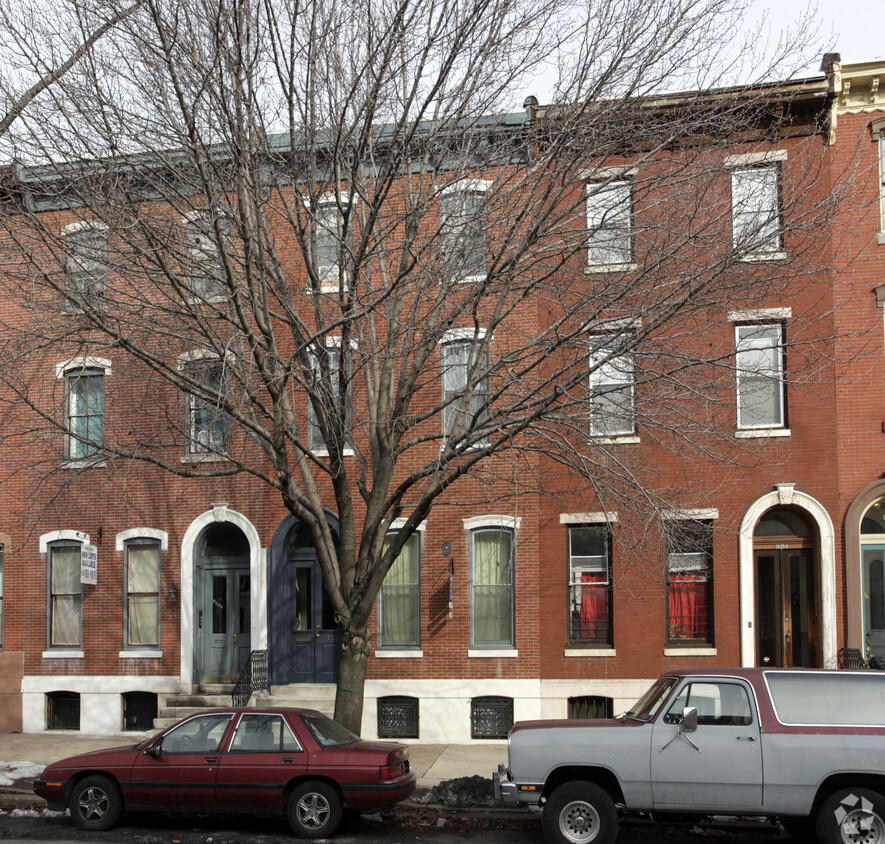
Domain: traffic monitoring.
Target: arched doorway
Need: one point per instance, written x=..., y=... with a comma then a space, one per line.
x=787, y=587
x=304, y=641
x=222, y=603
x=872, y=542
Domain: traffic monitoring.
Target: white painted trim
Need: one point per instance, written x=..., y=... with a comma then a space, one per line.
x=133, y=654
x=85, y=225
x=827, y=553
x=761, y=315
x=392, y=654
x=589, y=652
x=399, y=524
x=142, y=533
x=497, y=653
x=492, y=521
x=759, y=257
x=63, y=536
x=257, y=572
x=467, y=186
x=588, y=518
x=751, y=158
x=455, y=334
x=711, y=514
x=679, y=652
x=83, y=362
x=602, y=174
x=761, y=433
x=63, y=654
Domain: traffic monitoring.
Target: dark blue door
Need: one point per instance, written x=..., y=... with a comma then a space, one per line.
x=313, y=647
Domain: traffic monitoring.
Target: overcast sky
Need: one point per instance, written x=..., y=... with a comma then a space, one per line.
x=853, y=28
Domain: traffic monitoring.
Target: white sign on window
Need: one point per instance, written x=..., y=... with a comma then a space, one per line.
x=88, y=564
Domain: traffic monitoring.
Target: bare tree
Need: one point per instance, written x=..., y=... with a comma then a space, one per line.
x=327, y=227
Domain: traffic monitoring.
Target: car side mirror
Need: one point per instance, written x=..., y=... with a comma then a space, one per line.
x=155, y=750
x=689, y=719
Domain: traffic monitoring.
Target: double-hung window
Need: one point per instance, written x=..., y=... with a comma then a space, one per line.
x=324, y=409
x=609, y=223
x=757, y=229
x=464, y=219
x=86, y=246
x=65, y=596
x=205, y=271
x=689, y=580
x=329, y=234
x=465, y=364
x=491, y=587
x=206, y=421
x=84, y=412
x=399, y=617
x=759, y=365
x=612, y=385
x=142, y=593
x=589, y=585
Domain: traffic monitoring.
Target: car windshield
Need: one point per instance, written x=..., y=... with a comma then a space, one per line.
x=328, y=733
x=650, y=702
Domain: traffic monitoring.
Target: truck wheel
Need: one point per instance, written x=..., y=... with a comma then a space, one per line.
x=852, y=816
x=578, y=813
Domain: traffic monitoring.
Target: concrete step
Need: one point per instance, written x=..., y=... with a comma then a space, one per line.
x=320, y=696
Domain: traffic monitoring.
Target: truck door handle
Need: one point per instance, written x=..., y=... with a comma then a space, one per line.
x=746, y=738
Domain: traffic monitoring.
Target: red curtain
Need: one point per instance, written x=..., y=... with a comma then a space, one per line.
x=688, y=606
x=594, y=606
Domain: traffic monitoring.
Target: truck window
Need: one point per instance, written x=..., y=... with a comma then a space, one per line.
x=839, y=698
x=651, y=701
x=722, y=704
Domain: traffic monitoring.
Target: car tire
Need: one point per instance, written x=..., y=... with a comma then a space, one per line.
x=852, y=816
x=96, y=803
x=315, y=810
x=579, y=813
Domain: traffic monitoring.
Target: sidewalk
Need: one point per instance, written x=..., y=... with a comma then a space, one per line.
x=432, y=763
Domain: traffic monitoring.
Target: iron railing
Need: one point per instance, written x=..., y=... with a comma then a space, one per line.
x=252, y=679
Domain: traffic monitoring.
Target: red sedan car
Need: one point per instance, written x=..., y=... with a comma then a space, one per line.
x=296, y=762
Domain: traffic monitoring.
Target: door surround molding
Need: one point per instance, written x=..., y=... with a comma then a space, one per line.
x=782, y=495
x=219, y=513
x=854, y=627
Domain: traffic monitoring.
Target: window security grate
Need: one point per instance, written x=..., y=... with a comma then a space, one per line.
x=62, y=711
x=398, y=717
x=491, y=717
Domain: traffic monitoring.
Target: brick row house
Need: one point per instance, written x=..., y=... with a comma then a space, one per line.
x=534, y=591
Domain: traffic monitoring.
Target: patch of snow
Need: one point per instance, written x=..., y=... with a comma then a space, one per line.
x=11, y=772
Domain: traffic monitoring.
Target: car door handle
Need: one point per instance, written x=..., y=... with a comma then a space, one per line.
x=746, y=738
x=211, y=759
x=288, y=760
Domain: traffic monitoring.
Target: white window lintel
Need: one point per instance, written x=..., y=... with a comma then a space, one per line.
x=749, y=159
x=761, y=315
x=467, y=186
x=601, y=518
x=62, y=536
x=84, y=362
x=475, y=522
x=691, y=514
x=143, y=533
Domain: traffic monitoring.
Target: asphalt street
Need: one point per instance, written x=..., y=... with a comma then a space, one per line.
x=431, y=824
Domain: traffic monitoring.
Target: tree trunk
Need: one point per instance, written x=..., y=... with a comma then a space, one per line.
x=352, y=679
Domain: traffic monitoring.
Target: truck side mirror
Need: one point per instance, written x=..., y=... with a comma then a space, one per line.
x=689, y=719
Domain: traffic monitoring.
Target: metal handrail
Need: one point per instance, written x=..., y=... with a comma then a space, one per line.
x=253, y=678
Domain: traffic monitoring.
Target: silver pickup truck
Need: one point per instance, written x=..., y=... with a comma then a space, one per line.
x=801, y=747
